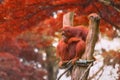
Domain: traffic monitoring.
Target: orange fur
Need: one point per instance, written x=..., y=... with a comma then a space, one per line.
x=78, y=31
x=72, y=46
x=72, y=50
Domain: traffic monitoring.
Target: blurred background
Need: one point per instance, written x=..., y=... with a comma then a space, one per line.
x=29, y=33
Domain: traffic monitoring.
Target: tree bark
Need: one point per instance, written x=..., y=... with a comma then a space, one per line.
x=68, y=19
x=50, y=66
x=79, y=72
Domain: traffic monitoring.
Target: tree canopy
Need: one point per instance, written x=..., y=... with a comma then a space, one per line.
x=29, y=24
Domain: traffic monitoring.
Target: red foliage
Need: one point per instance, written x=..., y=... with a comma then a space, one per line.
x=81, y=20
x=108, y=56
x=8, y=44
x=28, y=53
x=36, y=16
x=12, y=69
x=23, y=15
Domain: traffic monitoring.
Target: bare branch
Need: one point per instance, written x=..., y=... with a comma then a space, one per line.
x=86, y=71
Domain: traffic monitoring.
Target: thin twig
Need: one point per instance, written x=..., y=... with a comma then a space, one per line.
x=81, y=78
x=70, y=66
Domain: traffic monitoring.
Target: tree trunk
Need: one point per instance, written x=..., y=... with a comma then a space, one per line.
x=81, y=72
x=68, y=19
x=50, y=66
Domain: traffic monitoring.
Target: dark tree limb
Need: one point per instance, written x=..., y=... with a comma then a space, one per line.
x=108, y=21
x=110, y=3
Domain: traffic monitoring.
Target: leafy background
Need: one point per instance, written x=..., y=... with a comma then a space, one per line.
x=29, y=32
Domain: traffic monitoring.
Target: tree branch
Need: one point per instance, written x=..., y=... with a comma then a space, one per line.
x=92, y=37
x=108, y=21
x=110, y=3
